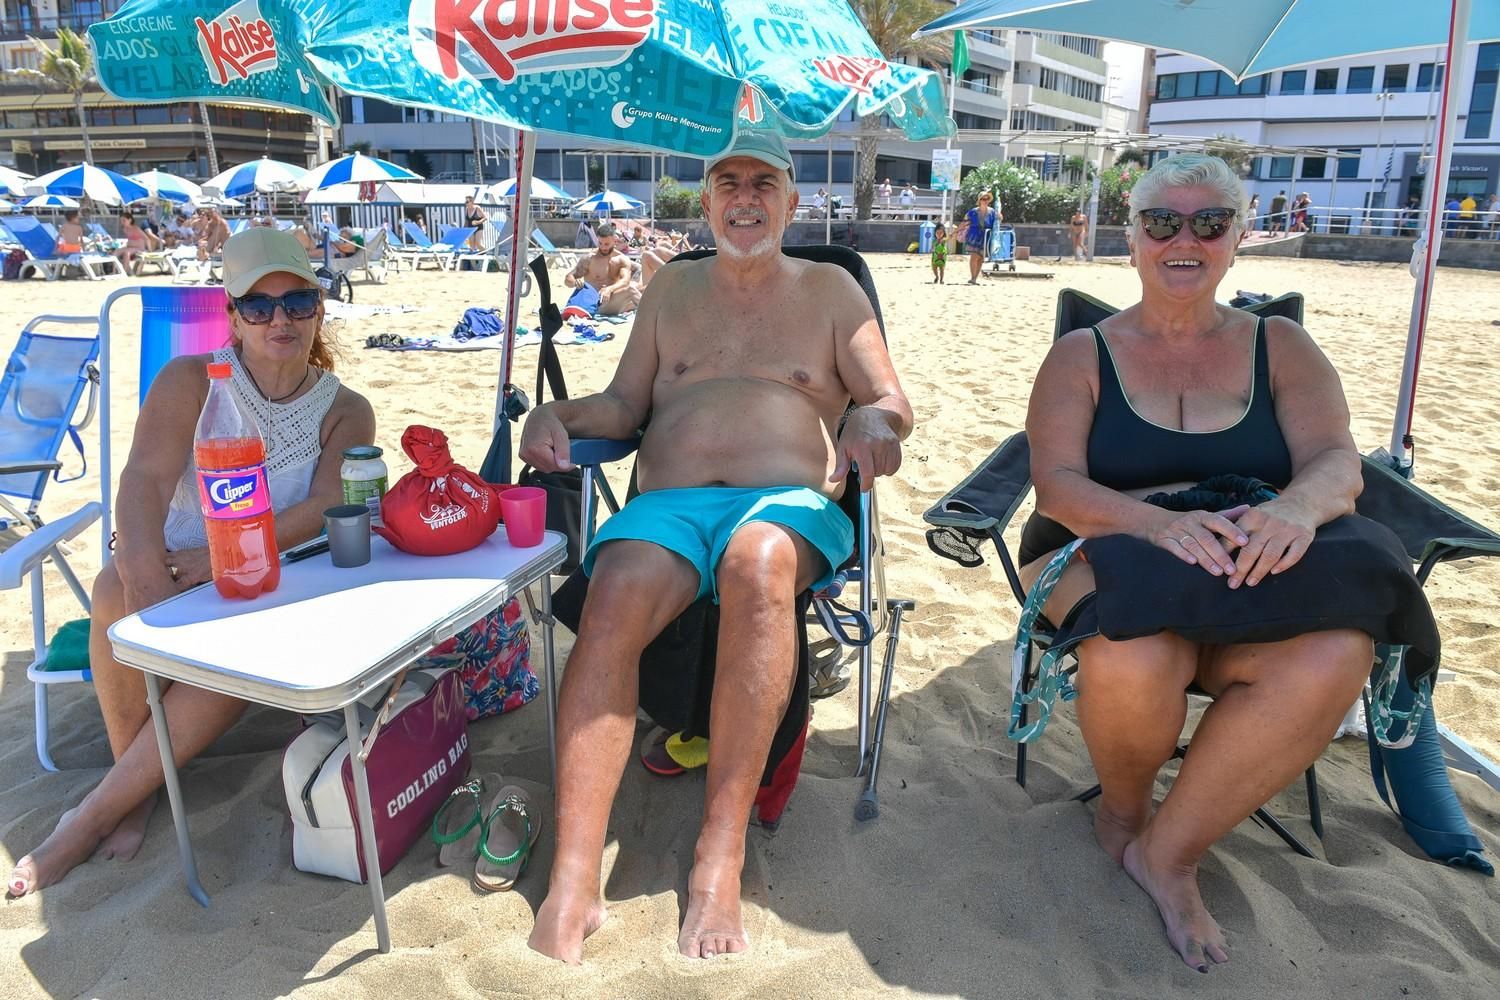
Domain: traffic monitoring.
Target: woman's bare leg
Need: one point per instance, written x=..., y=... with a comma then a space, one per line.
x=1276, y=707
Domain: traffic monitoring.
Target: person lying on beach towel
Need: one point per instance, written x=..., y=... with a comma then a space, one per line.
x=610, y=271
x=719, y=345
x=1157, y=399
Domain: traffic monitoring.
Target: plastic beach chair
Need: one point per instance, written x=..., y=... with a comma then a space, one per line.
x=175, y=320
x=567, y=258
x=982, y=506
x=677, y=668
x=39, y=241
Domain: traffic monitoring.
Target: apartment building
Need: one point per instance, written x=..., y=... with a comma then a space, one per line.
x=39, y=127
x=1375, y=115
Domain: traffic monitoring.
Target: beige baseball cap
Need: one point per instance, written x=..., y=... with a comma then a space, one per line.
x=253, y=253
x=767, y=147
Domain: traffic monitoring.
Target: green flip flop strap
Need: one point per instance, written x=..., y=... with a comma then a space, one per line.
x=472, y=787
x=516, y=805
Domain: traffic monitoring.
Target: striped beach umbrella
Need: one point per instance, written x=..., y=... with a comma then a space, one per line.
x=540, y=191
x=169, y=186
x=85, y=181
x=264, y=175
x=356, y=168
x=52, y=201
x=609, y=201
x=6, y=206
x=13, y=182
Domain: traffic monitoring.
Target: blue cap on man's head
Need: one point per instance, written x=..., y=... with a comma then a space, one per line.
x=758, y=144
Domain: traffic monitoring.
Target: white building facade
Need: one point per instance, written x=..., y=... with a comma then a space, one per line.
x=1376, y=114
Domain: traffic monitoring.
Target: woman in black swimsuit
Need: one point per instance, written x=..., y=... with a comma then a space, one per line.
x=475, y=218
x=1161, y=396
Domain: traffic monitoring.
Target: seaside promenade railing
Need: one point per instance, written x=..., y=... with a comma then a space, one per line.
x=1404, y=222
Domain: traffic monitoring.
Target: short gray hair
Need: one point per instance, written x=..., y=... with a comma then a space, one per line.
x=1189, y=170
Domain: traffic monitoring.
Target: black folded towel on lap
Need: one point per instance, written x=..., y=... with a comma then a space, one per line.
x=1356, y=574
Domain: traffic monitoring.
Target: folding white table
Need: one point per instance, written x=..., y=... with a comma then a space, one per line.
x=326, y=637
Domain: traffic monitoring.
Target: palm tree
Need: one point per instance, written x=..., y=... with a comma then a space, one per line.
x=891, y=24
x=208, y=135
x=70, y=67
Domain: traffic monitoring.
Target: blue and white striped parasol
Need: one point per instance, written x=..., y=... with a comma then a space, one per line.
x=609, y=201
x=264, y=175
x=540, y=191
x=354, y=169
x=13, y=182
x=85, y=181
x=169, y=186
x=53, y=201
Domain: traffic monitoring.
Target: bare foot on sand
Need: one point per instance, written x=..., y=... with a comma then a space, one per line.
x=69, y=846
x=1174, y=889
x=564, y=921
x=713, y=925
x=1114, y=830
x=126, y=838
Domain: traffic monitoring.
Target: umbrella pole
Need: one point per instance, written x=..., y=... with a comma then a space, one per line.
x=520, y=239
x=1424, y=259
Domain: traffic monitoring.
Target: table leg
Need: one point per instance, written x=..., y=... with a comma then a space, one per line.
x=550, y=666
x=367, y=828
x=174, y=790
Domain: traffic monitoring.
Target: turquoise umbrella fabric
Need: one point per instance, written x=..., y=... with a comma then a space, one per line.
x=674, y=75
x=1242, y=37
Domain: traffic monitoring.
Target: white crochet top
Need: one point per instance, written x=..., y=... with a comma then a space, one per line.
x=293, y=433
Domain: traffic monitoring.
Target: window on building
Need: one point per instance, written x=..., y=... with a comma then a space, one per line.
x=1429, y=77
x=1208, y=83
x=1281, y=167
x=1395, y=79
x=1294, y=81
x=1361, y=80
x=1166, y=87
x=1187, y=84
x=1348, y=164
x=1325, y=81
x=152, y=114
x=1482, y=101
x=1255, y=86
x=1314, y=168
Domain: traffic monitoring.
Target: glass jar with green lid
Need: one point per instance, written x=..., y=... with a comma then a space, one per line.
x=364, y=476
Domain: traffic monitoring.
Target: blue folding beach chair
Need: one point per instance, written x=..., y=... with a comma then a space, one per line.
x=39, y=241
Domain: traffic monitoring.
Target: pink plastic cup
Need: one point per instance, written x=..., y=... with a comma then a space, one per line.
x=524, y=510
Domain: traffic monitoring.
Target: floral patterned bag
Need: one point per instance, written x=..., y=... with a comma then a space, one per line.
x=493, y=658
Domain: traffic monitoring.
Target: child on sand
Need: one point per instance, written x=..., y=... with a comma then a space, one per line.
x=939, y=253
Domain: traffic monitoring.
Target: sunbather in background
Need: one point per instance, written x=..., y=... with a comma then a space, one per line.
x=745, y=362
x=282, y=374
x=1159, y=397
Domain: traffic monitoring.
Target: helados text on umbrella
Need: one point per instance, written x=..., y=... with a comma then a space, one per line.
x=505, y=34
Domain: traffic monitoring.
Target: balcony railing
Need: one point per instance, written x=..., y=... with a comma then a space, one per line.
x=23, y=23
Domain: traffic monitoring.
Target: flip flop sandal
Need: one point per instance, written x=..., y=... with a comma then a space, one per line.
x=668, y=755
x=510, y=832
x=459, y=823
x=828, y=671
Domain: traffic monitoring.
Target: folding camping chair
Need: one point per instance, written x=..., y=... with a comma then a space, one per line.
x=694, y=634
x=366, y=258
x=985, y=502
x=173, y=321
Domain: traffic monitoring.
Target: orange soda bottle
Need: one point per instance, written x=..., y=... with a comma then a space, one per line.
x=230, y=455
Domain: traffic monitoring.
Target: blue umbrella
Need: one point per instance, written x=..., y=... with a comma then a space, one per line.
x=264, y=175
x=355, y=168
x=609, y=201
x=1249, y=37
x=13, y=182
x=169, y=186
x=52, y=201
x=540, y=191
x=86, y=181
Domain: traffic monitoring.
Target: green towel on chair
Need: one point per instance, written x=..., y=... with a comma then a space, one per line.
x=69, y=649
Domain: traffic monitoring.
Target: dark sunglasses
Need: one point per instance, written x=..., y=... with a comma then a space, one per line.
x=1208, y=224
x=259, y=309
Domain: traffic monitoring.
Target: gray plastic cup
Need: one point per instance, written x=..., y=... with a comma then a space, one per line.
x=348, y=527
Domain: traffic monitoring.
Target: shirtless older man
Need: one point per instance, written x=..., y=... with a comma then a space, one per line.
x=610, y=271
x=745, y=361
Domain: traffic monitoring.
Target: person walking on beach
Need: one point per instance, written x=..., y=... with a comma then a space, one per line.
x=1252, y=213
x=749, y=337
x=1277, y=218
x=939, y=253
x=978, y=223
x=1078, y=230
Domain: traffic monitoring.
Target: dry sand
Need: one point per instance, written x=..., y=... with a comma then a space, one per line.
x=967, y=885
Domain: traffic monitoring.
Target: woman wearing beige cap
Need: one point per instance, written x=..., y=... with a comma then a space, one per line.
x=283, y=374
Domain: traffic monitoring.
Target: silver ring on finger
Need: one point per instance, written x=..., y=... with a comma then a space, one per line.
x=1185, y=539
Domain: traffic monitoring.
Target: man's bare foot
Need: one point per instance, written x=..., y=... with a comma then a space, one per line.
x=126, y=838
x=1114, y=831
x=69, y=846
x=713, y=925
x=1174, y=889
x=563, y=922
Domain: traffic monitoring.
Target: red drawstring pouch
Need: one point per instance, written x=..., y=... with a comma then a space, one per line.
x=439, y=507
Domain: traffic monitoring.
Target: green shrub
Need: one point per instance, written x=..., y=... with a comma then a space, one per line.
x=673, y=201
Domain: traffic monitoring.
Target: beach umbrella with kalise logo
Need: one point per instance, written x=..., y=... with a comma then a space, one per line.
x=678, y=76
